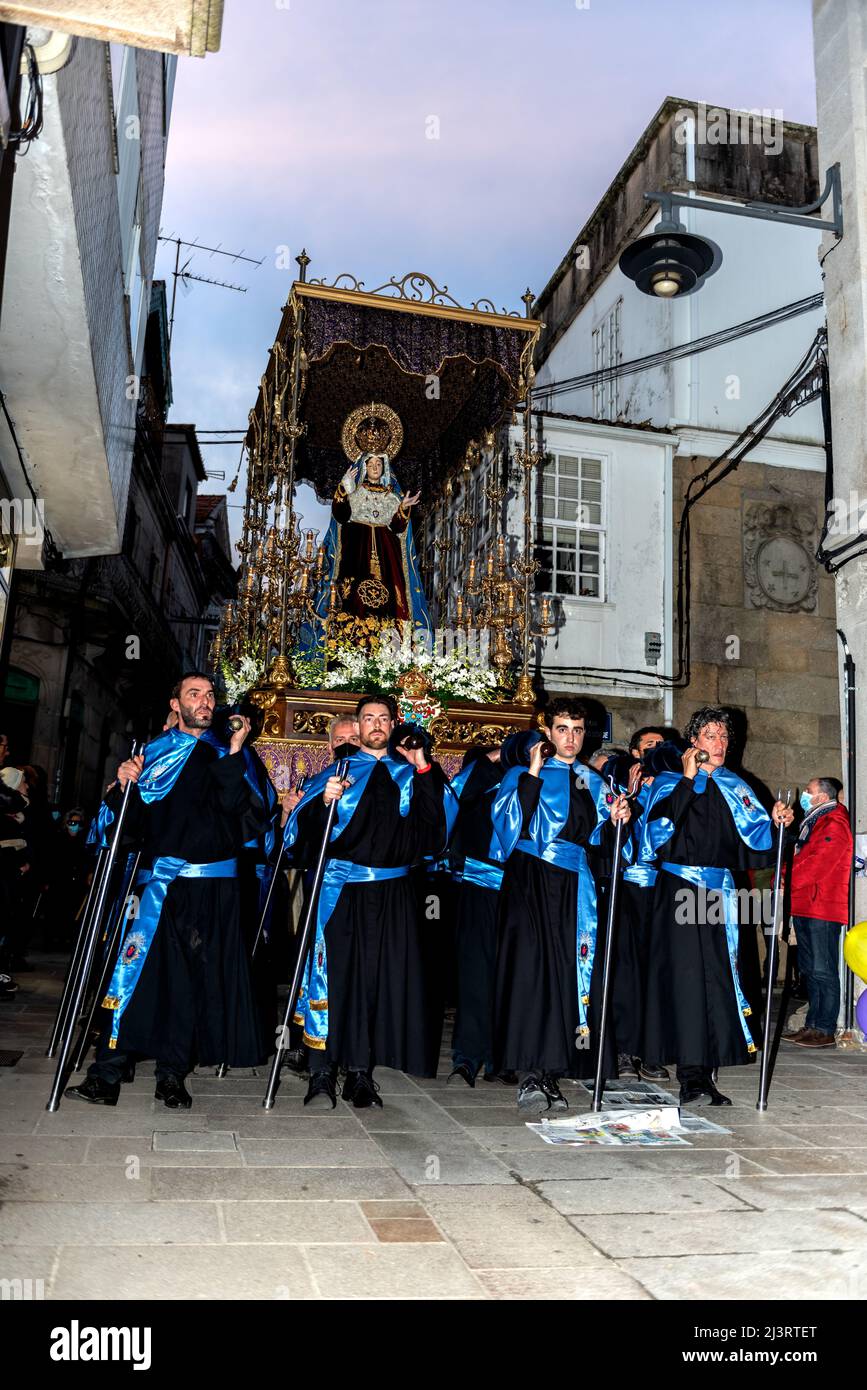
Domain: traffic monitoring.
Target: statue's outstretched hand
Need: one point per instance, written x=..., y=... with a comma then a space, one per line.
x=411, y=501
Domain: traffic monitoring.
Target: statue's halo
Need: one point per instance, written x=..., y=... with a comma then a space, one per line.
x=356, y=419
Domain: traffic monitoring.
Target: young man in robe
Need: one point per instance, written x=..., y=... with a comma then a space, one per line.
x=545, y=1012
x=478, y=861
x=631, y=957
x=181, y=989
x=364, y=1000
x=702, y=825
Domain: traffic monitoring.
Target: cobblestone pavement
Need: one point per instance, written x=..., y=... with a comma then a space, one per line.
x=442, y=1194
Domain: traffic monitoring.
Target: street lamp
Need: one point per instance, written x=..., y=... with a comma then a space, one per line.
x=671, y=262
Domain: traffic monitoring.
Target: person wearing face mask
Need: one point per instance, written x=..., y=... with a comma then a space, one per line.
x=820, y=906
x=68, y=879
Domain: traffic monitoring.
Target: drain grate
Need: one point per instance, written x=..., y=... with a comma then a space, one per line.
x=9, y=1059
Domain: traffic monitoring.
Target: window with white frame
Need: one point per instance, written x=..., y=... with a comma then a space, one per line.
x=570, y=535
x=607, y=352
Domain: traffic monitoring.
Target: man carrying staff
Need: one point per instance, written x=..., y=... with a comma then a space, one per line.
x=631, y=952
x=704, y=825
x=544, y=816
x=181, y=989
x=478, y=866
x=364, y=1000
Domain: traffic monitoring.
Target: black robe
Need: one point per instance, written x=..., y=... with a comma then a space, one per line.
x=627, y=982
x=691, y=1008
x=194, y=1002
x=476, y=921
x=536, y=990
x=380, y=1005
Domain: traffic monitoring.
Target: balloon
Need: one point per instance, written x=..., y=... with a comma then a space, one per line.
x=861, y=1013
x=855, y=950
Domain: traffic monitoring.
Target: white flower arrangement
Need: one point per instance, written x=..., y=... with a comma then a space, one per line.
x=240, y=677
x=459, y=673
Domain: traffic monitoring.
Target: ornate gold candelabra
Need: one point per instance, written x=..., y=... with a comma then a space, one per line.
x=496, y=592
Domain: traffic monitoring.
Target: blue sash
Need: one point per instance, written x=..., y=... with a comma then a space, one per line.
x=721, y=880
x=565, y=855
x=752, y=821
x=157, y=881
x=164, y=760
x=644, y=875
x=552, y=811
x=312, y=1007
x=361, y=766
x=482, y=874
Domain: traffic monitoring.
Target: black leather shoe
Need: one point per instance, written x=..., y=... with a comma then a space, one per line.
x=295, y=1059
x=322, y=1091
x=95, y=1090
x=704, y=1094
x=361, y=1090
x=462, y=1072
x=556, y=1098
x=173, y=1093
x=651, y=1071
x=626, y=1066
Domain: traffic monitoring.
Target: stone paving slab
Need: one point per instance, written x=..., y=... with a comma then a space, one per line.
x=832, y=1136
x=121, y=1121
x=319, y=1125
x=295, y=1222
x=42, y=1149
x=120, y=1151
x=492, y=1234
x=356, y=1152
x=811, y=1160
x=820, y=1275
x=800, y=1194
x=591, y=1197
x=194, y=1141
x=734, y=1232
x=128, y=1223
x=50, y=1182
x=441, y=1158
x=402, y=1114
x=275, y=1184
x=585, y=1284
x=145, y=1272
x=392, y=1271
x=538, y=1166
x=34, y=1262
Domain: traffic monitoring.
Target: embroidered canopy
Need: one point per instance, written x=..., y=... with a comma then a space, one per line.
x=450, y=374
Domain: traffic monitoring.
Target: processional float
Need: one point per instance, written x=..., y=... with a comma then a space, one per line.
x=406, y=373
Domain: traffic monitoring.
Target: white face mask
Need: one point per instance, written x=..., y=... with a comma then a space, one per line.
x=12, y=777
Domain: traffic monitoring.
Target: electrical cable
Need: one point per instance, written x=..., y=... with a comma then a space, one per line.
x=805, y=384
x=31, y=127
x=658, y=359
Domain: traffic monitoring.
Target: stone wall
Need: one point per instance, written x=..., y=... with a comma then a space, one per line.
x=776, y=662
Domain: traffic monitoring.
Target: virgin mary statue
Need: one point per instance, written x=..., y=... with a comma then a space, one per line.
x=372, y=577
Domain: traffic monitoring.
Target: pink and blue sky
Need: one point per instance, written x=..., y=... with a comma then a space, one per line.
x=310, y=128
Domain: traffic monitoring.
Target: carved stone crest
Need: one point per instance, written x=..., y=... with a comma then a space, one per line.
x=779, y=549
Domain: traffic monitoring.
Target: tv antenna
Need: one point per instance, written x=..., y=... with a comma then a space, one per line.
x=184, y=274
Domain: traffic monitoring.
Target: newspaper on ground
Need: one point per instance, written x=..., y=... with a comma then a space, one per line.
x=658, y=1122
x=612, y=1133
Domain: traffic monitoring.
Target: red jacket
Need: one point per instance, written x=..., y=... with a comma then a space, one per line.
x=820, y=869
